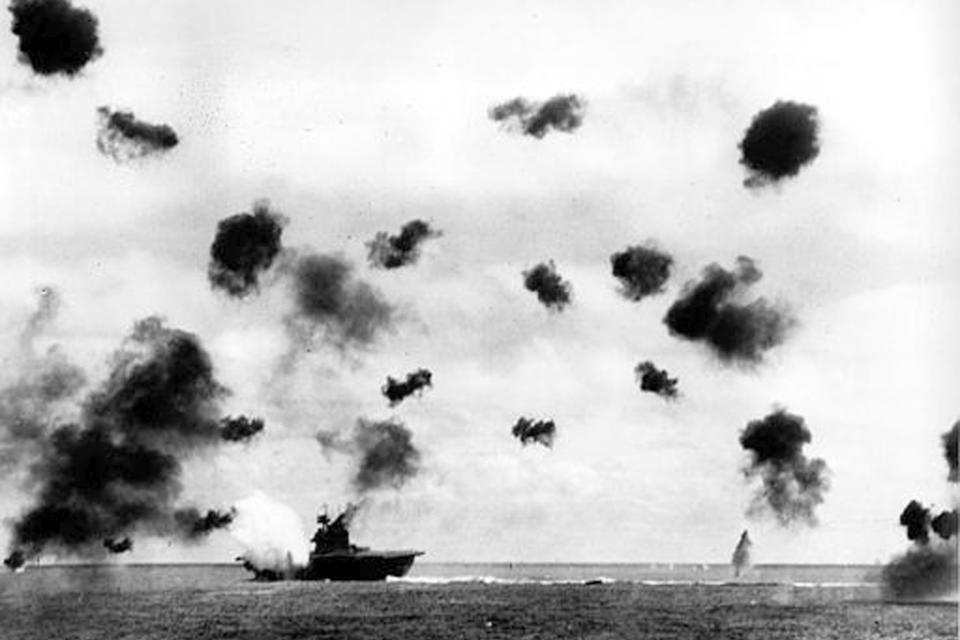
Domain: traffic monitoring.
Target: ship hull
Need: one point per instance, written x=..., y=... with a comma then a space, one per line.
x=362, y=566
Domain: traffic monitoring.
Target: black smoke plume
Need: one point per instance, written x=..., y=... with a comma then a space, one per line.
x=330, y=300
x=55, y=37
x=389, y=252
x=791, y=485
x=116, y=470
x=118, y=545
x=779, y=142
x=528, y=431
x=945, y=524
x=15, y=560
x=553, y=291
x=397, y=390
x=561, y=113
x=42, y=390
x=655, y=380
x=929, y=568
x=190, y=524
x=916, y=518
x=123, y=137
x=246, y=245
x=712, y=311
x=240, y=429
x=383, y=451
x=643, y=270
x=950, y=450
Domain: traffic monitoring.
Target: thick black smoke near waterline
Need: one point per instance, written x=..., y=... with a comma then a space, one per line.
x=552, y=290
x=713, y=311
x=382, y=450
x=331, y=301
x=397, y=390
x=924, y=571
x=791, y=484
x=643, y=270
x=123, y=137
x=390, y=252
x=116, y=470
x=779, y=142
x=950, y=450
x=561, y=113
x=246, y=245
x=529, y=431
x=55, y=37
x=655, y=380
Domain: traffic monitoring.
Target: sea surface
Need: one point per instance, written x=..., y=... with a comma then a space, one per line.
x=449, y=600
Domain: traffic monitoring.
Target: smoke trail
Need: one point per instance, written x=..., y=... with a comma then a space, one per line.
x=245, y=246
x=390, y=252
x=396, y=390
x=950, y=450
x=55, y=37
x=643, y=270
x=116, y=471
x=553, y=291
x=710, y=311
x=791, y=485
x=741, y=554
x=561, y=113
x=330, y=300
x=118, y=545
x=40, y=393
x=528, y=430
x=779, y=142
x=383, y=452
x=655, y=380
x=123, y=137
x=240, y=429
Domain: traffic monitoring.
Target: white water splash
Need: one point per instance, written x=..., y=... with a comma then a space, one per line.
x=268, y=531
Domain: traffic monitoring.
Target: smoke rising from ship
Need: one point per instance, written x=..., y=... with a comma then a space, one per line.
x=655, y=380
x=552, y=291
x=529, y=431
x=779, y=142
x=642, y=270
x=791, y=485
x=397, y=390
x=391, y=252
x=55, y=37
x=268, y=531
x=713, y=311
x=123, y=137
x=560, y=113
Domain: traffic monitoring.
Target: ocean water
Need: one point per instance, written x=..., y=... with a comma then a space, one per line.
x=450, y=600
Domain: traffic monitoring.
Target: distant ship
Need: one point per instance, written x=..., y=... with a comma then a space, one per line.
x=335, y=558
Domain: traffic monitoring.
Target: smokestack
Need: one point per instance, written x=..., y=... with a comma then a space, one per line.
x=390, y=252
x=779, y=142
x=123, y=137
x=712, y=311
x=791, y=485
x=560, y=113
x=741, y=554
x=396, y=390
x=528, y=430
x=553, y=291
x=55, y=37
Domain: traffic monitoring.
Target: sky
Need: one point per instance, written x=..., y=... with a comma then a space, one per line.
x=354, y=118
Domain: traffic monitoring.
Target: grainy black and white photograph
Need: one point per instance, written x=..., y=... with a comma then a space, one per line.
x=543, y=319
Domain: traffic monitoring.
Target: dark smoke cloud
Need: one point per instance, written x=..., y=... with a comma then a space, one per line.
x=190, y=524
x=383, y=451
x=55, y=37
x=561, y=113
x=240, y=429
x=779, y=142
x=397, y=390
x=792, y=485
x=945, y=524
x=643, y=270
x=553, y=291
x=528, y=431
x=245, y=246
x=655, y=380
x=950, y=450
x=123, y=137
x=712, y=311
x=330, y=299
x=922, y=572
x=390, y=252
x=118, y=545
x=916, y=518
x=116, y=471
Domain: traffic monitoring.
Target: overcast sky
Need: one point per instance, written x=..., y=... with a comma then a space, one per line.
x=353, y=118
